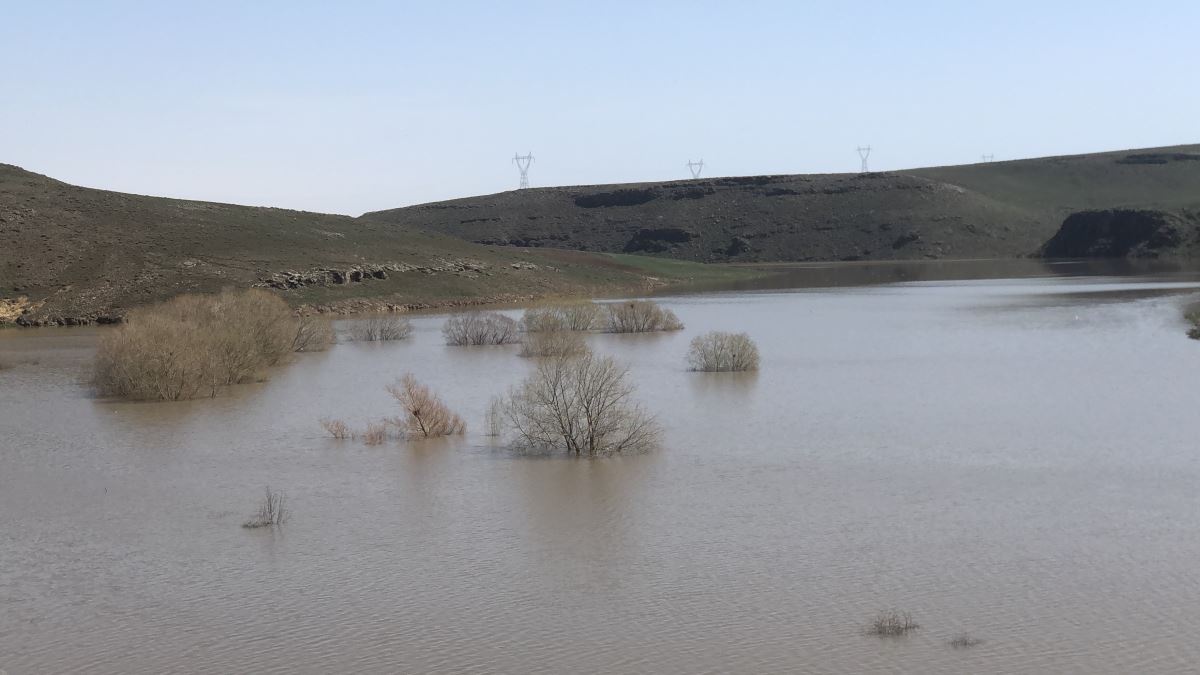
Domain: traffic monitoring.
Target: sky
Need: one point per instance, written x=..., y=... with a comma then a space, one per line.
x=351, y=106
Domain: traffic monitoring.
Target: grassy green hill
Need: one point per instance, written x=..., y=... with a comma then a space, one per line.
x=73, y=255
x=996, y=209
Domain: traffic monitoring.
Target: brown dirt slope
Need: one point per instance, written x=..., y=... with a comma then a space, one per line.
x=74, y=255
x=996, y=209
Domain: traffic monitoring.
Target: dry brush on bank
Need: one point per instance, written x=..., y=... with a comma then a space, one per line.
x=717, y=351
x=582, y=406
x=641, y=316
x=194, y=344
x=381, y=329
x=425, y=415
x=480, y=328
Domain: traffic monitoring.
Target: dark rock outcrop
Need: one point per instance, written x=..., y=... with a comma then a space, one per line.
x=1119, y=233
x=657, y=240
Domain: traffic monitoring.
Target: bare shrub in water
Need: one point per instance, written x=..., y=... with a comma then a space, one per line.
x=891, y=623
x=381, y=328
x=271, y=511
x=965, y=641
x=495, y=417
x=337, y=429
x=723, y=352
x=581, y=316
x=1194, y=331
x=641, y=316
x=480, y=328
x=193, y=344
x=581, y=405
x=375, y=433
x=553, y=343
x=425, y=414
x=313, y=334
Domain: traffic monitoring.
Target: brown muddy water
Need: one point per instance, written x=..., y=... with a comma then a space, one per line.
x=1017, y=459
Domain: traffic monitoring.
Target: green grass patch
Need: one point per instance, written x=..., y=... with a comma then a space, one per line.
x=685, y=270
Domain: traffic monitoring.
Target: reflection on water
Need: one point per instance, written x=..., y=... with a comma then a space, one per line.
x=1015, y=458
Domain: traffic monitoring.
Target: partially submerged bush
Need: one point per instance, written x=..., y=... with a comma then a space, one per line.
x=1194, y=331
x=480, y=328
x=271, y=511
x=313, y=334
x=641, y=316
x=581, y=405
x=375, y=433
x=381, y=328
x=425, y=414
x=891, y=623
x=337, y=429
x=581, y=316
x=723, y=352
x=193, y=344
x=495, y=417
x=965, y=641
x=553, y=343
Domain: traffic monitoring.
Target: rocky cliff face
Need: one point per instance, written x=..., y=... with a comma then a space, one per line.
x=1125, y=233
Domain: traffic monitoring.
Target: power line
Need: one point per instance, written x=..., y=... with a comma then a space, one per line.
x=695, y=167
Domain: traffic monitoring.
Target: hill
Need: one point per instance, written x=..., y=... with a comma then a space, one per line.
x=989, y=210
x=75, y=255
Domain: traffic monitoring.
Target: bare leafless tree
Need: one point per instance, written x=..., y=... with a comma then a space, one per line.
x=717, y=351
x=337, y=429
x=381, y=328
x=495, y=417
x=480, y=328
x=582, y=405
x=313, y=334
x=553, y=343
x=583, y=315
x=271, y=511
x=375, y=433
x=641, y=316
x=425, y=414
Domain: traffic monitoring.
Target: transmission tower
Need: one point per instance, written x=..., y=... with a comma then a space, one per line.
x=987, y=158
x=863, y=154
x=695, y=167
x=523, y=162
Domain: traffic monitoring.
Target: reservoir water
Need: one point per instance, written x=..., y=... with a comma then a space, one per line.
x=1013, y=458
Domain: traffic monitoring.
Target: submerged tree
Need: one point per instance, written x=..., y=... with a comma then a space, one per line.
x=717, y=351
x=580, y=404
x=426, y=416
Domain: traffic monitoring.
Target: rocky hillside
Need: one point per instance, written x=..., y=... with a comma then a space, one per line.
x=76, y=255
x=1125, y=233
x=997, y=209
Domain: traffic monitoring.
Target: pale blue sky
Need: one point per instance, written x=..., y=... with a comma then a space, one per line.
x=355, y=106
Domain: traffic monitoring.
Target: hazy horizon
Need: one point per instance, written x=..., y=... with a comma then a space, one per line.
x=347, y=110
